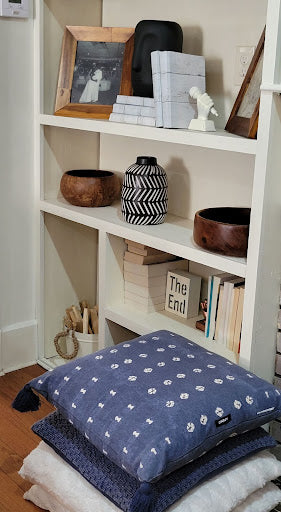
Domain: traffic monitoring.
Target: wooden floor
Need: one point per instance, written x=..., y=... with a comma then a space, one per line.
x=16, y=440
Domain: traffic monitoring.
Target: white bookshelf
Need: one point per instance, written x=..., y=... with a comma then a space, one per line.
x=207, y=169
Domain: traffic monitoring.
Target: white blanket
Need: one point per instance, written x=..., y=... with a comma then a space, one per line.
x=263, y=500
x=221, y=493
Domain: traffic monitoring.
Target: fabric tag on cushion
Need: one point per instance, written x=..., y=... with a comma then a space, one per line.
x=127, y=492
x=157, y=402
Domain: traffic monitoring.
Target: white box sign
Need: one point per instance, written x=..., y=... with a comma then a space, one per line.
x=183, y=294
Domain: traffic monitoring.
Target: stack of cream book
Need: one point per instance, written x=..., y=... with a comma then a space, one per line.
x=145, y=276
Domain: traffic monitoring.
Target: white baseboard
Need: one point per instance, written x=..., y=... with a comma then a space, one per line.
x=18, y=346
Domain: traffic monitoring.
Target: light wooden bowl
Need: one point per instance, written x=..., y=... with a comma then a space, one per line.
x=223, y=230
x=89, y=187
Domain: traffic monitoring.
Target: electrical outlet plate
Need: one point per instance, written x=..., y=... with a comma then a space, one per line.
x=243, y=57
x=14, y=8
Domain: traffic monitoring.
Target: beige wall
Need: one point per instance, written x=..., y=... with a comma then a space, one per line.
x=212, y=29
x=16, y=172
x=198, y=178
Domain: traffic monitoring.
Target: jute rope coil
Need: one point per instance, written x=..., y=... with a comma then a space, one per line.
x=63, y=334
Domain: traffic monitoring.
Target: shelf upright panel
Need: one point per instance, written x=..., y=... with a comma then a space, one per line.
x=38, y=44
x=258, y=342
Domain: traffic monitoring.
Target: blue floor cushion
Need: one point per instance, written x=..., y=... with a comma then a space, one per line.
x=155, y=403
x=126, y=491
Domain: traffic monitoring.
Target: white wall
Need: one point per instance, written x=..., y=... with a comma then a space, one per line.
x=17, y=309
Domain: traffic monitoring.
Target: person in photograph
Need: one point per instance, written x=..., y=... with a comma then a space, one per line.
x=91, y=91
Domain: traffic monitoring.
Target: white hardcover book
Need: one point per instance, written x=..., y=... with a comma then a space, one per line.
x=146, y=121
x=156, y=269
x=152, y=292
x=116, y=118
x=178, y=115
x=136, y=110
x=121, y=98
x=147, y=111
x=130, y=119
x=134, y=100
x=129, y=100
x=183, y=63
x=148, y=301
x=118, y=108
x=145, y=308
x=176, y=87
x=132, y=110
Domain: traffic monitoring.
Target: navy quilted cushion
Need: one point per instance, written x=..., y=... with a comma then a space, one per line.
x=155, y=403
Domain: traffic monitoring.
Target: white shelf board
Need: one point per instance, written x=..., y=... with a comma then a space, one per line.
x=143, y=323
x=175, y=235
x=220, y=139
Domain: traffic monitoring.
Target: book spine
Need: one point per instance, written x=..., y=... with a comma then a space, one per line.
x=147, y=283
x=214, y=307
x=148, y=301
x=146, y=121
x=210, y=293
x=219, y=313
x=157, y=93
x=140, y=290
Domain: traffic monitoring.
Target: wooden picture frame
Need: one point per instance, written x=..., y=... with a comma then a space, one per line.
x=244, y=117
x=64, y=105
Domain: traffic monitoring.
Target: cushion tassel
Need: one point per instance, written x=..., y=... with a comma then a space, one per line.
x=26, y=400
x=142, y=500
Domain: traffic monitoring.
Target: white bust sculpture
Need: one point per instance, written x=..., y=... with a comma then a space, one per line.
x=205, y=105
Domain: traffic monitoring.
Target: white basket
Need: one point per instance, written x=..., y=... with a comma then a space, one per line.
x=88, y=343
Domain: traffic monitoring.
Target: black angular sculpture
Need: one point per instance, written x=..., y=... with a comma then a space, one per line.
x=151, y=35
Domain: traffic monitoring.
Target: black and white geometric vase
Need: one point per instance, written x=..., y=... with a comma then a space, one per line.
x=144, y=196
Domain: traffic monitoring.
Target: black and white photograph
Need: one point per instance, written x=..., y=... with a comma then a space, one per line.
x=97, y=72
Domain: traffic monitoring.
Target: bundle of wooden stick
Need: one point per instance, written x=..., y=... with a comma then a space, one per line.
x=82, y=319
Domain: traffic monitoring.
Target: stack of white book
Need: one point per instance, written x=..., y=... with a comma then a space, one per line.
x=225, y=310
x=133, y=110
x=145, y=276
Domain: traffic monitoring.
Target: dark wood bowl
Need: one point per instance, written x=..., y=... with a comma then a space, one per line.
x=89, y=187
x=223, y=230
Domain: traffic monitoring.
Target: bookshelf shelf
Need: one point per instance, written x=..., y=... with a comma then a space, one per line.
x=173, y=236
x=131, y=318
x=220, y=139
